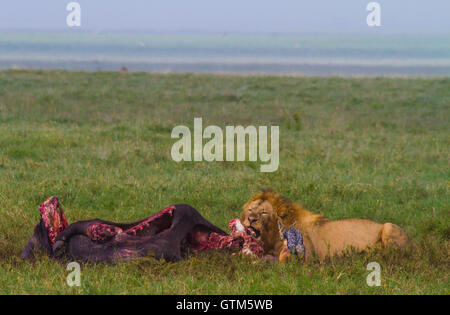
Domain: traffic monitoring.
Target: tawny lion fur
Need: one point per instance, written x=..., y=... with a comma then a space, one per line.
x=321, y=236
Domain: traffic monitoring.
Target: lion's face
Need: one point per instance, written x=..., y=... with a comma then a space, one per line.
x=260, y=216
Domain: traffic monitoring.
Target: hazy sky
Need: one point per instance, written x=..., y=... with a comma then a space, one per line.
x=262, y=16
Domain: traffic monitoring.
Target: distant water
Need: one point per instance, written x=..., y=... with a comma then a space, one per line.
x=274, y=54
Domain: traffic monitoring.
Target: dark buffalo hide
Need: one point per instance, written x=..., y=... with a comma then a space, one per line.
x=169, y=234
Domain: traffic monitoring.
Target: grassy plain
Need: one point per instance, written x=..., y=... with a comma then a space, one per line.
x=373, y=148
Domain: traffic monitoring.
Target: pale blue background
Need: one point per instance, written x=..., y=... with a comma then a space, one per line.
x=234, y=16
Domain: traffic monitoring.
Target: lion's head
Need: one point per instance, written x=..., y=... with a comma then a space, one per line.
x=259, y=215
x=263, y=212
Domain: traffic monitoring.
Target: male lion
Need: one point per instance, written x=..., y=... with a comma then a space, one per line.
x=321, y=236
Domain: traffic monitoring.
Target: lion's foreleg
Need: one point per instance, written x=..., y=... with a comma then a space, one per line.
x=284, y=254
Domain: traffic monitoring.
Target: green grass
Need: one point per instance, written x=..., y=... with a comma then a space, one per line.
x=369, y=148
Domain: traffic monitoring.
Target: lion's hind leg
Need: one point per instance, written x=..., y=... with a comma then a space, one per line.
x=393, y=235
